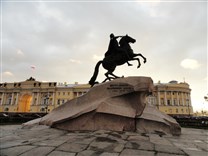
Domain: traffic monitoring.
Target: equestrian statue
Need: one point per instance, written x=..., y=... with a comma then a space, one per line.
x=116, y=55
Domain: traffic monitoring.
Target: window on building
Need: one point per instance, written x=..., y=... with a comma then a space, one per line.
x=63, y=93
x=6, y=109
x=175, y=102
x=62, y=101
x=162, y=101
x=49, y=101
x=58, y=102
x=176, y=110
x=75, y=94
x=187, y=102
x=9, y=100
x=182, y=110
x=35, y=101
x=168, y=102
x=45, y=101
x=14, y=101
x=68, y=93
x=80, y=93
x=59, y=93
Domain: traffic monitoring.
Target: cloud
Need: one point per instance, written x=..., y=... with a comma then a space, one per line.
x=190, y=64
x=8, y=73
x=97, y=58
x=20, y=52
x=75, y=61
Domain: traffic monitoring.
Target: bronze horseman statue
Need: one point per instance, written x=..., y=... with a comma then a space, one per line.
x=117, y=54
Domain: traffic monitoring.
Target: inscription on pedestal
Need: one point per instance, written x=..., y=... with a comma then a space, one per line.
x=120, y=88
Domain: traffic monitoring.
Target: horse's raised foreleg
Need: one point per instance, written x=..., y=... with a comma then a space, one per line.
x=144, y=58
x=139, y=64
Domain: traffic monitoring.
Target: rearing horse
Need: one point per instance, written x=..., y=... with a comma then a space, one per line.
x=120, y=57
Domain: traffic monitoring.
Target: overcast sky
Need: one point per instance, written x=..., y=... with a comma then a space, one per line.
x=62, y=41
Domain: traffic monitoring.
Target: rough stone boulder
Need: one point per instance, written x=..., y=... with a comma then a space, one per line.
x=113, y=105
x=154, y=121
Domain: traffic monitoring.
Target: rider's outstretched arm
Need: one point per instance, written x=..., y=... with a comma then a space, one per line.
x=117, y=37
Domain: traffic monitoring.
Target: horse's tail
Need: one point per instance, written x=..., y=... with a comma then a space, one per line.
x=93, y=78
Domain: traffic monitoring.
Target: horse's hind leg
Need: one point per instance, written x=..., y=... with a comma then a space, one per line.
x=110, y=78
x=115, y=77
x=107, y=76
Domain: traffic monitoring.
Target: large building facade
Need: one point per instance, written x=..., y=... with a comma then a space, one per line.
x=172, y=98
x=32, y=96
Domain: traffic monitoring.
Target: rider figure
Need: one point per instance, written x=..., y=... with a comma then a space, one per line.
x=113, y=47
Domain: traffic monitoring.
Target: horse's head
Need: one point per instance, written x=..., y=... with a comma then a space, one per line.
x=126, y=40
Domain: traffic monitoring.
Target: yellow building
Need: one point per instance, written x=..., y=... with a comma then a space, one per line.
x=172, y=98
x=34, y=96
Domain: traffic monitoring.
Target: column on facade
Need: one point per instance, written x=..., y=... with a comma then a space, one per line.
x=33, y=97
x=177, y=98
x=17, y=98
x=53, y=98
x=37, y=101
x=172, y=102
x=186, y=99
x=190, y=104
x=158, y=97
x=2, y=99
x=165, y=98
x=182, y=99
x=12, y=99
